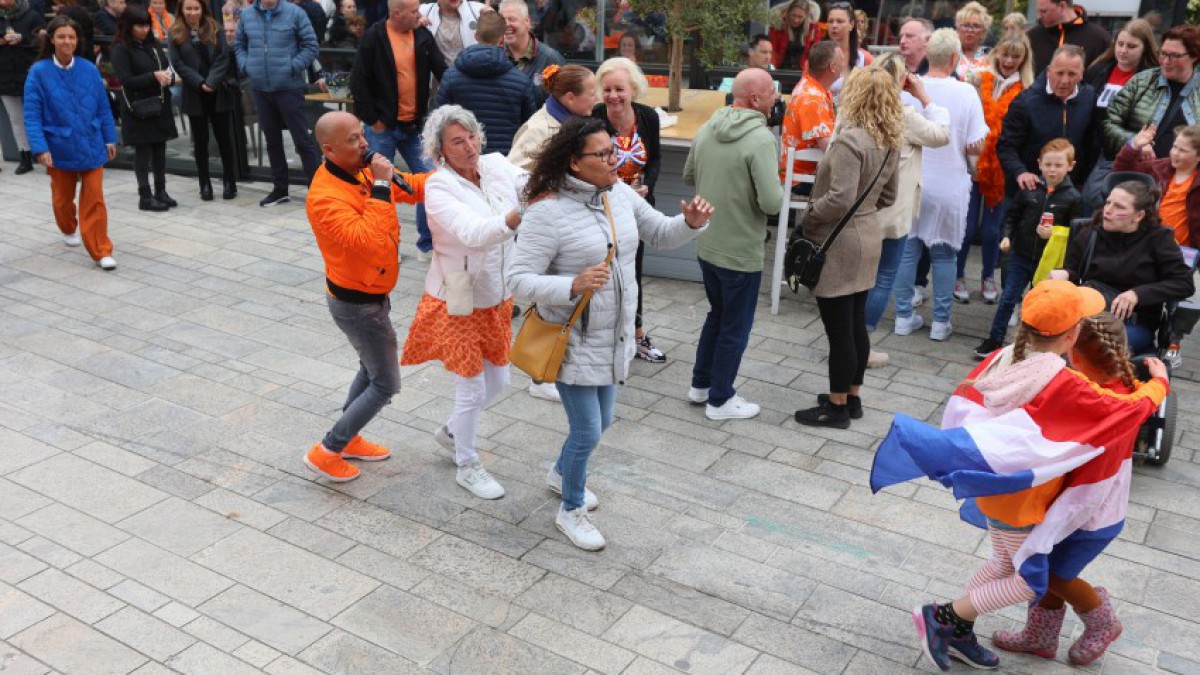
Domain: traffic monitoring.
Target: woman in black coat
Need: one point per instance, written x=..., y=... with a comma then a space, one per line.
x=201, y=58
x=145, y=73
x=19, y=25
x=634, y=130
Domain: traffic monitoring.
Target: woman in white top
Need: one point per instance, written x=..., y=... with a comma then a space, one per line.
x=946, y=191
x=464, y=318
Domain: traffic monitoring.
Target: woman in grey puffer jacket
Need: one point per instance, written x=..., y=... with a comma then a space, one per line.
x=565, y=238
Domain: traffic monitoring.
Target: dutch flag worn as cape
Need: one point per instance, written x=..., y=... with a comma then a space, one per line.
x=1069, y=436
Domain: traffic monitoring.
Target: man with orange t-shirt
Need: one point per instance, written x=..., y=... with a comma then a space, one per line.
x=351, y=207
x=390, y=85
x=808, y=122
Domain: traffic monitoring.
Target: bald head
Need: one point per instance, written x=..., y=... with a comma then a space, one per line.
x=333, y=124
x=342, y=141
x=753, y=88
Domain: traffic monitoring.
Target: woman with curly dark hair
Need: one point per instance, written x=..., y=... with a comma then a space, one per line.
x=581, y=212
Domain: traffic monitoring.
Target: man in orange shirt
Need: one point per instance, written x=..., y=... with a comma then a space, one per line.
x=808, y=122
x=351, y=207
x=390, y=85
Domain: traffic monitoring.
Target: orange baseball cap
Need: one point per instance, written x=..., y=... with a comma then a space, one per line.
x=1054, y=306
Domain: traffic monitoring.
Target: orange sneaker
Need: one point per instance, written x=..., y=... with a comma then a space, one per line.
x=330, y=465
x=362, y=449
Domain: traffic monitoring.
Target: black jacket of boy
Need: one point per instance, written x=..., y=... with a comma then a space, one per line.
x=1025, y=212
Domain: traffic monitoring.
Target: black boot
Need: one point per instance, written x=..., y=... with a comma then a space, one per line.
x=160, y=193
x=230, y=190
x=206, y=192
x=26, y=164
x=148, y=202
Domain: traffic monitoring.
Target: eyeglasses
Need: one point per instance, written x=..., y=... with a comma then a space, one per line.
x=603, y=155
x=840, y=5
x=973, y=27
x=1168, y=56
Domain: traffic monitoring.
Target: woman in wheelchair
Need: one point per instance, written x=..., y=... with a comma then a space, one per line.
x=1133, y=260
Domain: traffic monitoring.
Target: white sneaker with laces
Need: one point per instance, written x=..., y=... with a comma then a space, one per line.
x=579, y=529
x=920, y=295
x=107, y=263
x=961, y=294
x=72, y=239
x=940, y=330
x=696, y=395
x=445, y=438
x=1016, y=316
x=906, y=325
x=736, y=408
x=546, y=391
x=646, y=351
x=477, y=479
x=554, y=482
x=989, y=291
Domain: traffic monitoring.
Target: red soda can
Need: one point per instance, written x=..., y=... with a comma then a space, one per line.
x=1047, y=219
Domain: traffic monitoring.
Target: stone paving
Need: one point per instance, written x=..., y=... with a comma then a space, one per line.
x=155, y=516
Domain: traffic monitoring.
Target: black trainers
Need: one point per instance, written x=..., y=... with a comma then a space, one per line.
x=986, y=348
x=276, y=197
x=825, y=415
x=853, y=405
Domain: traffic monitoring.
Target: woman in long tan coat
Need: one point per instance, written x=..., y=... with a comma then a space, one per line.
x=872, y=130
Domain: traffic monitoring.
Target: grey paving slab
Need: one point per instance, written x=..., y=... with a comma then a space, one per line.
x=20, y=610
x=265, y=619
x=146, y=634
x=88, y=487
x=75, y=648
x=678, y=644
x=70, y=595
x=404, y=624
x=179, y=526
x=165, y=572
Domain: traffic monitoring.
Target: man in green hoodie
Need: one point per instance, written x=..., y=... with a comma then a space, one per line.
x=734, y=159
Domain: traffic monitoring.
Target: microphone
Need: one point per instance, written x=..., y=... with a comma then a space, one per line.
x=396, y=177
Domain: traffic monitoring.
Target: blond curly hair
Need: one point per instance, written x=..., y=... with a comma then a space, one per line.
x=870, y=100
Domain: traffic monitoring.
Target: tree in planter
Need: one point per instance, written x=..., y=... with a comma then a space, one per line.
x=717, y=25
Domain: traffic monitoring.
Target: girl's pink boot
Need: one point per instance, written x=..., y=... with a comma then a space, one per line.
x=1039, y=637
x=1100, y=628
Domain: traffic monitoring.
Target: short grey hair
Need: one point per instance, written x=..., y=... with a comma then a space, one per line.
x=943, y=46
x=437, y=122
x=515, y=3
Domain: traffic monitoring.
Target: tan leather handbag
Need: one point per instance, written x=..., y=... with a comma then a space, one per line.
x=540, y=344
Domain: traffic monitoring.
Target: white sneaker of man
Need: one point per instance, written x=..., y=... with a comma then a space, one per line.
x=906, y=325
x=546, y=391
x=920, y=295
x=554, y=482
x=107, y=263
x=696, y=395
x=72, y=239
x=736, y=408
x=940, y=330
x=579, y=529
x=475, y=478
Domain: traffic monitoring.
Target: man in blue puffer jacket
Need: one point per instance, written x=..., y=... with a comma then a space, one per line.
x=484, y=81
x=275, y=44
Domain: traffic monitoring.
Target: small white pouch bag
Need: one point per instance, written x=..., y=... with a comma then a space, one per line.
x=459, y=289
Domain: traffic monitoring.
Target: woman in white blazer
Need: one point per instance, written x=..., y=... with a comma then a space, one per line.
x=464, y=318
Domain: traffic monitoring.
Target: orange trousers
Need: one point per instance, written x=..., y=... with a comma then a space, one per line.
x=93, y=214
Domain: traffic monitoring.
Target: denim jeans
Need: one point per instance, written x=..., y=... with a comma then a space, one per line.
x=1139, y=337
x=987, y=224
x=879, y=296
x=589, y=414
x=1016, y=278
x=388, y=143
x=368, y=327
x=732, y=297
x=279, y=109
x=942, y=258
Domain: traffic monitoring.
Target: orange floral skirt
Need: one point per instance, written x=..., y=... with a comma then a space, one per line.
x=461, y=343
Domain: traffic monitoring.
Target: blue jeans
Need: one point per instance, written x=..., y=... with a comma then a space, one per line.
x=885, y=278
x=1139, y=337
x=589, y=413
x=279, y=109
x=942, y=259
x=1016, y=278
x=388, y=143
x=732, y=297
x=987, y=224
x=368, y=327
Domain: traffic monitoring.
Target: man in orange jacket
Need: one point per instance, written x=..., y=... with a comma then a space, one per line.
x=351, y=207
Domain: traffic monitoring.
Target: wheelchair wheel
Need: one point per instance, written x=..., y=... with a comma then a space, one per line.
x=1168, y=434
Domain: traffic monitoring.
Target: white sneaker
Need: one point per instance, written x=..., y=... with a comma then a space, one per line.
x=72, y=239
x=424, y=256
x=877, y=359
x=107, y=263
x=940, y=330
x=736, y=408
x=477, y=479
x=546, y=391
x=1016, y=316
x=579, y=529
x=920, y=295
x=961, y=294
x=554, y=481
x=445, y=438
x=905, y=326
x=696, y=395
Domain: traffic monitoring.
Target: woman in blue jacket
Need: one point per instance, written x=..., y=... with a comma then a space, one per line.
x=71, y=131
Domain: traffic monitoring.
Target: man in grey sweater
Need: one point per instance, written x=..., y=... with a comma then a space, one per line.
x=734, y=163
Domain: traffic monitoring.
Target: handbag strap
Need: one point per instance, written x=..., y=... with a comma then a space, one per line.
x=587, y=296
x=854, y=209
x=157, y=62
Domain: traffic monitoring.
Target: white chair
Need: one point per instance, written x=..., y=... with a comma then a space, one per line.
x=790, y=203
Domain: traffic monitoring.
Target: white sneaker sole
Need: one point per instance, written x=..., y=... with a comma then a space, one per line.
x=331, y=478
x=719, y=416
x=464, y=485
x=577, y=543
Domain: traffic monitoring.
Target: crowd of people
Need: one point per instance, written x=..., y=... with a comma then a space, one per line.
x=534, y=182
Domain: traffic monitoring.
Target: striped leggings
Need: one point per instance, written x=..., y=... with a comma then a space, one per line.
x=996, y=584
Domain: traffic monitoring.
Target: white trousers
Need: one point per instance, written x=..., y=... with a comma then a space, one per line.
x=15, y=107
x=471, y=396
